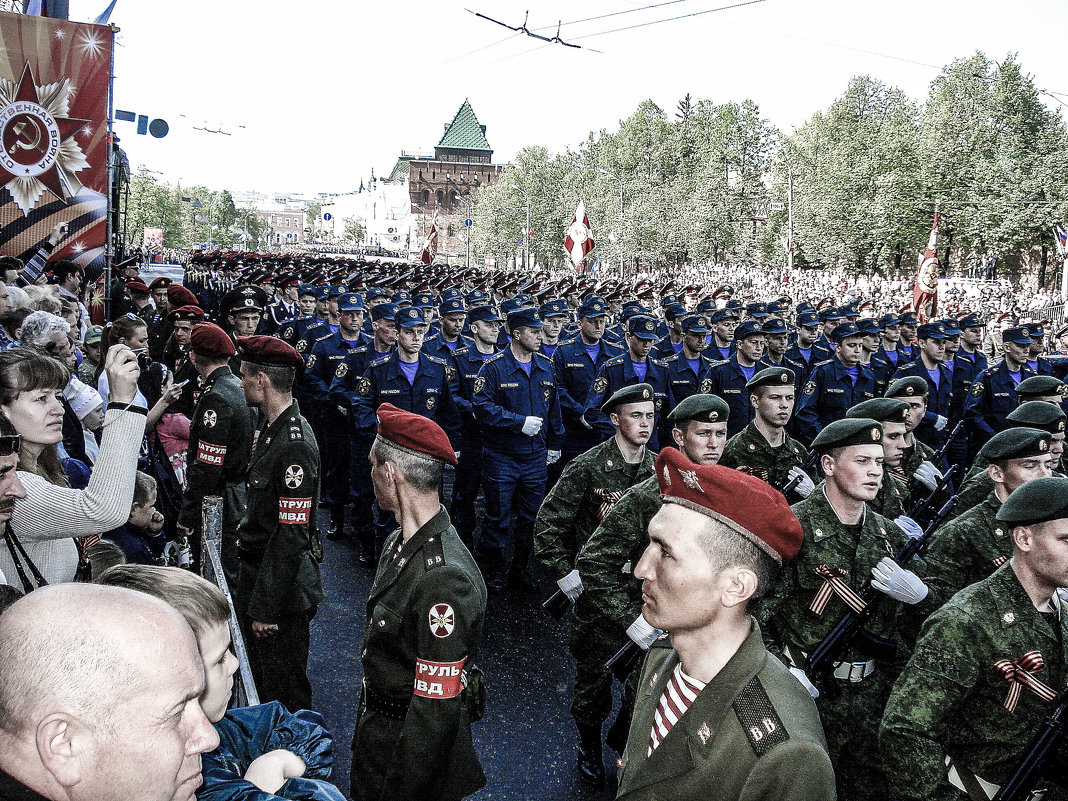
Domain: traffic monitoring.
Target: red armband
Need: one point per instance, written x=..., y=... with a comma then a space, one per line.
x=211, y=454
x=438, y=679
x=294, y=511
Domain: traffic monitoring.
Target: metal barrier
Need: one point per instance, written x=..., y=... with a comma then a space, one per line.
x=245, y=693
x=1055, y=314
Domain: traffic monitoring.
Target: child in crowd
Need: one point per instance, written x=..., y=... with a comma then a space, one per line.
x=265, y=747
x=140, y=537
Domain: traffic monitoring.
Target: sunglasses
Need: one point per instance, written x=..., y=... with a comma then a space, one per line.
x=10, y=444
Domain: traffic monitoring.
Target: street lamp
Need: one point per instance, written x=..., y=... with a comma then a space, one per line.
x=612, y=175
x=526, y=231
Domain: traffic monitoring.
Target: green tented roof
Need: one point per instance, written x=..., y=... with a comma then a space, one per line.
x=464, y=132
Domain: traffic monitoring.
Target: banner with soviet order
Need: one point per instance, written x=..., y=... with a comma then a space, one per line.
x=54, y=84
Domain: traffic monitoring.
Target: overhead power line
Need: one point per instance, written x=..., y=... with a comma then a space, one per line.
x=668, y=19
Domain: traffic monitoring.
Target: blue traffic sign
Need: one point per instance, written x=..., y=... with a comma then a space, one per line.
x=468, y=222
x=328, y=217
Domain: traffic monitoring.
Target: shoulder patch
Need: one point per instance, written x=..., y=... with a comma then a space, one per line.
x=433, y=553
x=600, y=384
x=758, y=717
x=434, y=359
x=380, y=360
x=296, y=433
x=302, y=346
x=614, y=361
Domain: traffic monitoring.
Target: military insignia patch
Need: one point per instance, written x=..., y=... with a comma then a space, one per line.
x=301, y=346
x=704, y=733
x=311, y=361
x=977, y=388
x=342, y=370
x=810, y=388
x=480, y=384
x=600, y=384
x=210, y=418
x=442, y=620
x=689, y=478
x=1043, y=445
x=706, y=386
x=667, y=476
x=450, y=372
x=294, y=476
x=875, y=432
x=1009, y=617
x=430, y=402
x=364, y=386
x=548, y=393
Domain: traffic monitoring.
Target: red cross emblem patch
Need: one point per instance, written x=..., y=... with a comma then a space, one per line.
x=442, y=620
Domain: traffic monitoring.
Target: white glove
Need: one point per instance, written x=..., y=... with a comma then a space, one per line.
x=802, y=677
x=940, y=422
x=571, y=585
x=928, y=475
x=804, y=486
x=903, y=585
x=531, y=426
x=642, y=633
x=552, y=457
x=909, y=526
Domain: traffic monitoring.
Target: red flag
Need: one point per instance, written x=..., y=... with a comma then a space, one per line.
x=925, y=292
x=579, y=240
x=430, y=249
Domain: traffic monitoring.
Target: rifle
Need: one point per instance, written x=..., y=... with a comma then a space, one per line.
x=850, y=626
x=1043, y=746
x=921, y=507
x=556, y=604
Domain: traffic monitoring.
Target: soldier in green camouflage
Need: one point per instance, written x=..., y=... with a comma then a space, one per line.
x=588, y=488
x=606, y=562
x=845, y=546
x=1030, y=414
x=913, y=391
x=987, y=664
x=974, y=545
x=893, y=499
x=763, y=448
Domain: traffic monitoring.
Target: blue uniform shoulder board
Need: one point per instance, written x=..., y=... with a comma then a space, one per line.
x=820, y=364
x=496, y=357
x=658, y=362
x=614, y=361
x=434, y=359
x=381, y=360
x=542, y=356
x=461, y=351
x=758, y=717
x=433, y=553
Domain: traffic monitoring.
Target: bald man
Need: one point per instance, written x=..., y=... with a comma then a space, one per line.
x=99, y=698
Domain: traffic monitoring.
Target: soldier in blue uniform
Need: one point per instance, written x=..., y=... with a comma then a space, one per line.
x=1035, y=360
x=322, y=364
x=515, y=401
x=633, y=367
x=671, y=343
x=284, y=308
x=723, y=322
x=823, y=348
x=688, y=369
x=802, y=352
x=321, y=329
x=554, y=314
x=993, y=393
x=448, y=339
x=293, y=330
x=909, y=324
x=834, y=385
x=485, y=328
x=970, y=356
x=576, y=365
x=412, y=381
x=777, y=335
x=931, y=344
x=343, y=393
x=728, y=379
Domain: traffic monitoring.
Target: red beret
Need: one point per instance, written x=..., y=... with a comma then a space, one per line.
x=178, y=295
x=743, y=503
x=160, y=283
x=137, y=286
x=414, y=433
x=269, y=351
x=207, y=339
x=189, y=313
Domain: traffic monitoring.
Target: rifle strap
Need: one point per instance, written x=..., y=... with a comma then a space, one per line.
x=969, y=782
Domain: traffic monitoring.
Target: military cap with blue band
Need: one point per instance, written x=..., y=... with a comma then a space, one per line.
x=524, y=318
x=384, y=311
x=1017, y=334
x=554, y=308
x=593, y=307
x=774, y=326
x=452, y=306
x=483, y=314
x=350, y=302
x=642, y=327
x=843, y=330
x=409, y=317
x=695, y=324
x=750, y=328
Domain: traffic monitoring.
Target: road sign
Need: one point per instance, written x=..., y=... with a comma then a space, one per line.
x=778, y=205
x=760, y=210
x=328, y=216
x=469, y=222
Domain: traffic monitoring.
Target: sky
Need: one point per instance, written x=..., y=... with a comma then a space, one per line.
x=317, y=92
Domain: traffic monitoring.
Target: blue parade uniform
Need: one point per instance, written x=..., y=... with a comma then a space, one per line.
x=617, y=373
x=828, y=394
x=468, y=361
x=992, y=398
x=939, y=400
x=728, y=382
x=682, y=378
x=575, y=373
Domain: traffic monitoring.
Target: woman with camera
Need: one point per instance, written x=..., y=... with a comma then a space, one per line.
x=156, y=389
x=45, y=521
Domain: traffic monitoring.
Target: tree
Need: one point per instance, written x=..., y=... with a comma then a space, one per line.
x=355, y=230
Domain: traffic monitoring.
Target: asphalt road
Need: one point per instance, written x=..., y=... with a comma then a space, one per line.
x=526, y=741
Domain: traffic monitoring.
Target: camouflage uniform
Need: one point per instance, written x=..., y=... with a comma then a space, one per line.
x=967, y=550
x=950, y=699
x=586, y=492
x=893, y=498
x=850, y=710
x=975, y=490
x=749, y=452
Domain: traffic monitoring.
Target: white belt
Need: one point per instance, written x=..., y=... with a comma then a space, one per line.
x=988, y=787
x=854, y=671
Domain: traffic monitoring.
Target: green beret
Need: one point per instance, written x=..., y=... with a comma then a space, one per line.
x=1016, y=443
x=1038, y=414
x=1038, y=386
x=771, y=377
x=846, y=432
x=701, y=407
x=636, y=393
x=885, y=410
x=1037, y=501
x=911, y=387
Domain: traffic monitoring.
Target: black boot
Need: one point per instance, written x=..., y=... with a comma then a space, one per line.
x=616, y=739
x=491, y=563
x=519, y=575
x=336, y=531
x=590, y=760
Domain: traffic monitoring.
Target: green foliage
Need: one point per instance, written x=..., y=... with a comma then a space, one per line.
x=355, y=230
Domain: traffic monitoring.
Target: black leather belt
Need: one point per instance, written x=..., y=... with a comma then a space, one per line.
x=383, y=704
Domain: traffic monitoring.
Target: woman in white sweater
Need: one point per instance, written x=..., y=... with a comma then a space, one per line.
x=51, y=514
